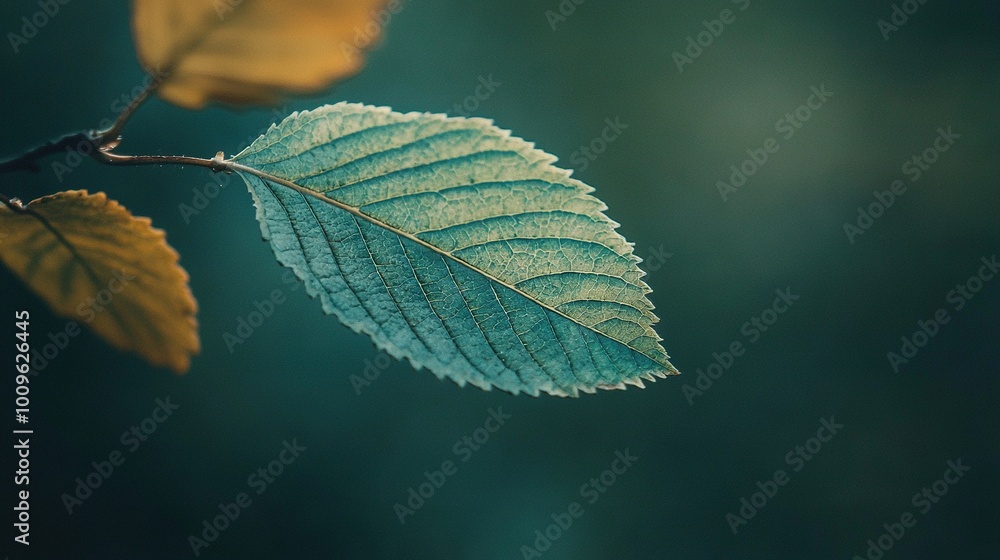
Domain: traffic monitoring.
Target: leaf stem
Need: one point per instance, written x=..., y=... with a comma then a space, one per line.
x=111, y=134
x=13, y=204
x=217, y=164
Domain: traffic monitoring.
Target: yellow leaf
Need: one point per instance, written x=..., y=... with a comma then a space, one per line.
x=248, y=52
x=110, y=271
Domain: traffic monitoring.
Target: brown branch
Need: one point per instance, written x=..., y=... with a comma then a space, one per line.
x=217, y=164
x=97, y=141
x=110, y=135
x=28, y=161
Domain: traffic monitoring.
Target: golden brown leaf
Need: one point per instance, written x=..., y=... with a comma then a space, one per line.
x=117, y=274
x=248, y=52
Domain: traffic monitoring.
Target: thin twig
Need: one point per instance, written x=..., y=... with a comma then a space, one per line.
x=217, y=164
x=28, y=161
x=110, y=135
x=97, y=141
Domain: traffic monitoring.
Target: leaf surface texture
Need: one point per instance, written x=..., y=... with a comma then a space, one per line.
x=456, y=246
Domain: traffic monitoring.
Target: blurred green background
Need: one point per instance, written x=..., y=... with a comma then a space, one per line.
x=783, y=229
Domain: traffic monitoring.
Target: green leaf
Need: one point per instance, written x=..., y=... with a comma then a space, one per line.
x=456, y=246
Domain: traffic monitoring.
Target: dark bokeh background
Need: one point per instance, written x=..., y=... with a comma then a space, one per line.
x=825, y=356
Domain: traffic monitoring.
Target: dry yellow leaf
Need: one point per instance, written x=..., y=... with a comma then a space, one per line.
x=253, y=51
x=117, y=274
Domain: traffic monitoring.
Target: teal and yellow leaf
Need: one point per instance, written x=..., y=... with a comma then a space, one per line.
x=456, y=246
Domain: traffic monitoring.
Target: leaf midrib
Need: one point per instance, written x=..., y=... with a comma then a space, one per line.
x=239, y=167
